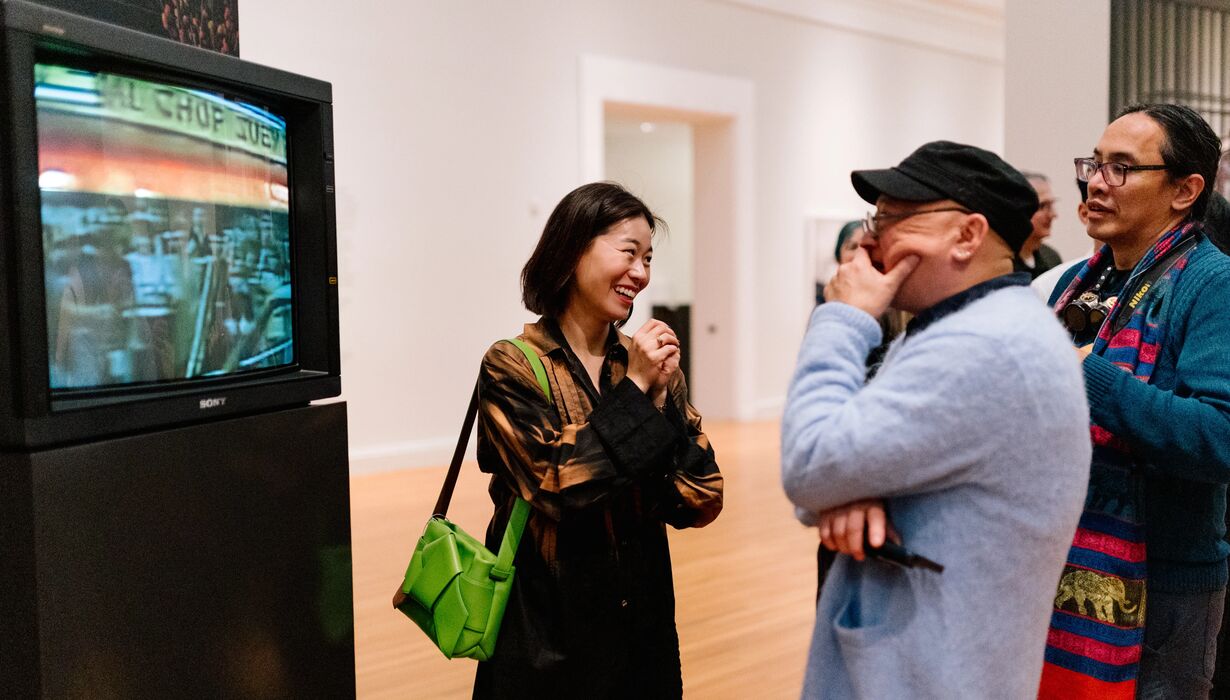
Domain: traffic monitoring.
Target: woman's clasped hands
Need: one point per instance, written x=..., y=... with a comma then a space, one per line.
x=653, y=358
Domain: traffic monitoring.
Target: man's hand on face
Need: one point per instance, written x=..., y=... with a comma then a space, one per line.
x=860, y=285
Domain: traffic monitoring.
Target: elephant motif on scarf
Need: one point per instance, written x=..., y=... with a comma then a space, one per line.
x=1103, y=592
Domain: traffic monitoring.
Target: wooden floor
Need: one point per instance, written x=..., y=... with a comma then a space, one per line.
x=745, y=585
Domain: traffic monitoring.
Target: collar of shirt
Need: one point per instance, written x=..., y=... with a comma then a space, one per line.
x=549, y=337
x=959, y=300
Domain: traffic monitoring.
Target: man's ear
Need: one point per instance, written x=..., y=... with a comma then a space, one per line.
x=970, y=236
x=1188, y=190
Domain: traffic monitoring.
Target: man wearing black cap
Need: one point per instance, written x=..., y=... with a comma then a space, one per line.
x=972, y=439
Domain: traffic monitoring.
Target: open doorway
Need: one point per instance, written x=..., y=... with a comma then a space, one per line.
x=717, y=110
x=652, y=158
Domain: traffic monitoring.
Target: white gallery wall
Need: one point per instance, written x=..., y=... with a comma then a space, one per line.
x=457, y=130
x=1057, y=95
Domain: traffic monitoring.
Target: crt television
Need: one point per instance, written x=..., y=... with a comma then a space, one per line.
x=167, y=239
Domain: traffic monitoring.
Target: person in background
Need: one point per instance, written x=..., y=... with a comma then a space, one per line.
x=1217, y=222
x=848, y=237
x=848, y=240
x=892, y=324
x=1035, y=256
x=972, y=439
x=616, y=455
x=1044, y=284
x=892, y=321
x=1217, y=228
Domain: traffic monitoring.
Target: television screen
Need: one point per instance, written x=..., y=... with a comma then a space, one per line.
x=169, y=239
x=166, y=231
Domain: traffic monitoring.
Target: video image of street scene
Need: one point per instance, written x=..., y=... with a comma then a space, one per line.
x=166, y=235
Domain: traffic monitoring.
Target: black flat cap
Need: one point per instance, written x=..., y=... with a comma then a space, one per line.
x=974, y=178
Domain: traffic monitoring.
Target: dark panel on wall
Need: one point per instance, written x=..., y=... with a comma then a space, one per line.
x=209, y=24
x=679, y=318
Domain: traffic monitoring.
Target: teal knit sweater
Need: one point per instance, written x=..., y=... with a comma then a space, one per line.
x=1179, y=426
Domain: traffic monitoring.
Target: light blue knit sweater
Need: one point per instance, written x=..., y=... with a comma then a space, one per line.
x=976, y=432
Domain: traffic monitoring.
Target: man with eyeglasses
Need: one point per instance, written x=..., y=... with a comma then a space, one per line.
x=1036, y=257
x=972, y=439
x=1148, y=314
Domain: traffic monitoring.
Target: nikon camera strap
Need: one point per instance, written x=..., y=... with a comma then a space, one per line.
x=1137, y=290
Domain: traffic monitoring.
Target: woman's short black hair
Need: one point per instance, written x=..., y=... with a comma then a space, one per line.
x=581, y=216
x=1191, y=145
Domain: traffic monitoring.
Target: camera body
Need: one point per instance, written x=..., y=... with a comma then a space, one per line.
x=1087, y=311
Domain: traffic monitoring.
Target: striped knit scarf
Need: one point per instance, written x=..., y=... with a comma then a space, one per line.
x=1097, y=627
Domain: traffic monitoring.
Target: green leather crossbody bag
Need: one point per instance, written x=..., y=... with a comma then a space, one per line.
x=455, y=589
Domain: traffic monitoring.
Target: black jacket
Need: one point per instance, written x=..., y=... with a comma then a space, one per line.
x=1045, y=258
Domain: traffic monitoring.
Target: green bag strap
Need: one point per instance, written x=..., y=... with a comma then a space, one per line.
x=540, y=372
x=521, y=509
x=467, y=426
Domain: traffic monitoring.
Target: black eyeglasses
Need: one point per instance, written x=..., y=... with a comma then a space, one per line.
x=1115, y=174
x=872, y=222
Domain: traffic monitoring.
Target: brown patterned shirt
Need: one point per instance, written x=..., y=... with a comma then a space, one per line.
x=603, y=469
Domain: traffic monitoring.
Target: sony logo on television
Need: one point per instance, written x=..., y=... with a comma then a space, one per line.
x=213, y=403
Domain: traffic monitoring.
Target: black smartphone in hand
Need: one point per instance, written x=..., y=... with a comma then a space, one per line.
x=894, y=553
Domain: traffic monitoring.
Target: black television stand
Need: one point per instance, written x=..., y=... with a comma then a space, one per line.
x=205, y=561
